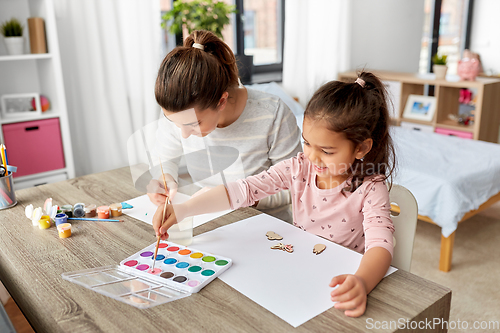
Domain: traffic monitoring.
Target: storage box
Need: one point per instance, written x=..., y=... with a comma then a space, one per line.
x=450, y=132
x=34, y=146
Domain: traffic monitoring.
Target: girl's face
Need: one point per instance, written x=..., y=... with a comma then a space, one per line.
x=330, y=152
x=193, y=121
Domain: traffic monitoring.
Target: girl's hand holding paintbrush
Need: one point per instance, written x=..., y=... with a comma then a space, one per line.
x=214, y=200
x=157, y=192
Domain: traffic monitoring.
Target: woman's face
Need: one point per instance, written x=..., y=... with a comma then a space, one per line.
x=194, y=121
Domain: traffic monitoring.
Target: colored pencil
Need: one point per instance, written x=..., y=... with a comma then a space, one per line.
x=5, y=152
x=2, y=148
x=92, y=219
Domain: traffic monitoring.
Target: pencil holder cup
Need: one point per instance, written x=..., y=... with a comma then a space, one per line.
x=7, y=194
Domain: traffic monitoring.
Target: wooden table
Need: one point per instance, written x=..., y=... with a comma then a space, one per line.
x=32, y=260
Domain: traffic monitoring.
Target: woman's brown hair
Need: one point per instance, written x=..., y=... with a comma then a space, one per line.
x=360, y=111
x=190, y=76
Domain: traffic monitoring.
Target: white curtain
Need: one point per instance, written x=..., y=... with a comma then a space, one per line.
x=110, y=53
x=316, y=46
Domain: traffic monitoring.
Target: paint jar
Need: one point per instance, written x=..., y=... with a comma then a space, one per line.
x=44, y=222
x=103, y=212
x=68, y=210
x=182, y=232
x=7, y=194
x=64, y=230
x=116, y=209
x=90, y=210
x=61, y=218
x=79, y=210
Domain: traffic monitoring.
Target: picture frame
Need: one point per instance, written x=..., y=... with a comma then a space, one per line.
x=20, y=105
x=420, y=107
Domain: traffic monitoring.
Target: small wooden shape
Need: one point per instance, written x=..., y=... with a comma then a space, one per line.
x=318, y=248
x=280, y=246
x=271, y=235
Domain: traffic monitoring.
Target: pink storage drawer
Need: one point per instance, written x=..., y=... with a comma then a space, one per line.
x=34, y=146
x=461, y=134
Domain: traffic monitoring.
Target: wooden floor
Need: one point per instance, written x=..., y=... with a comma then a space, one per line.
x=17, y=318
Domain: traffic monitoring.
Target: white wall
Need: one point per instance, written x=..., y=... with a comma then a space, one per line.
x=386, y=34
x=485, y=34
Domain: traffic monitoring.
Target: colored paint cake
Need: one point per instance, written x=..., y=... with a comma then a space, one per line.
x=186, y=266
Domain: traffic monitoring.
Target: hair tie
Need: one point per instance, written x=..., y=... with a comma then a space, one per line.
x=199, y=46
x=361, y=82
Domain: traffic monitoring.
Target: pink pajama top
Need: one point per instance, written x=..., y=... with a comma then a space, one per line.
x=359, y=220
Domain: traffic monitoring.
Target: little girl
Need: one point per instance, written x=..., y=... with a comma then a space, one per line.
x=338, y=184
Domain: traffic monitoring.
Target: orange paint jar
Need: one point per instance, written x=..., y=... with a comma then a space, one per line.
x=116, y=209
x=64, y=230
x=103, y=212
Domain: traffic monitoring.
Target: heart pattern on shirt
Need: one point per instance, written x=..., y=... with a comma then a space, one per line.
x=322, y=227
x=331, y=235
x=329, y=226
x=324, y=199
x=256, y=192
x=352, y=230
x=369, y=201
x=343, y=220
x=356, y=246
x=293, y=177
x=313, y=220
x=303, y=180
x=314, y=207
x=360, y=192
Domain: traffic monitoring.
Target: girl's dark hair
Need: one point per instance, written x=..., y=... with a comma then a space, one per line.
x=189, y=76
x=360, y=113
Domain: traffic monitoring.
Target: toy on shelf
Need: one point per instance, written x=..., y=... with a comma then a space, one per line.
x=469, y=66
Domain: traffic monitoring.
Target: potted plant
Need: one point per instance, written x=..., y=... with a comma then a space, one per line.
x=212, y=15
x=12, y=31
x=439, y=66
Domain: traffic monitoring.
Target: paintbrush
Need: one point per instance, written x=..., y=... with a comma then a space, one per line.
x=163, y=217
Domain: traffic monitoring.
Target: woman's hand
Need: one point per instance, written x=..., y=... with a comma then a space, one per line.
x=350, y=295
x=157, y=192
x=161, y=225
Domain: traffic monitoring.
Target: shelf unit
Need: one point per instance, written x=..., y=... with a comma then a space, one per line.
x=447, y=92
x=40, y=73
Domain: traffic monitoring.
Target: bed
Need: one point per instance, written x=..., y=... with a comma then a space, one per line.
x=451, y=178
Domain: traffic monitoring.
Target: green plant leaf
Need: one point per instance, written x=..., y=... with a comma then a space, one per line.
x=211, y=15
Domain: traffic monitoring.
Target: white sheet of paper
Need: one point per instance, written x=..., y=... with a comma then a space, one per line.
x=144, y=209
x=293, y=286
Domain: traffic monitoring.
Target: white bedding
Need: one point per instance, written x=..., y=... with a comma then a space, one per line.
x=448, y=176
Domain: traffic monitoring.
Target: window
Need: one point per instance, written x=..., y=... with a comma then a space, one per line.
x=258, y=32
x=446, y=31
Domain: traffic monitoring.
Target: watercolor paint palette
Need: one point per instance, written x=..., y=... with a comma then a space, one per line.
x=179, y=271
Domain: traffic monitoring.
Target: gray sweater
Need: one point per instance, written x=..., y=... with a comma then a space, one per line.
x=265, y=133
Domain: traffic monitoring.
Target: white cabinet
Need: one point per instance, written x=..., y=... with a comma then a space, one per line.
x=35, y=73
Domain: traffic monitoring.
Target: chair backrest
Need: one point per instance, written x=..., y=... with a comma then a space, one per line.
x=405, y=225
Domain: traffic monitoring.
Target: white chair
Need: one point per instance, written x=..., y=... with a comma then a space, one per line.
x=405, y=225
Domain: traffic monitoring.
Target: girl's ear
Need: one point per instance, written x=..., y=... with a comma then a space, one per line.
x=223, y=101
x=364, y=148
